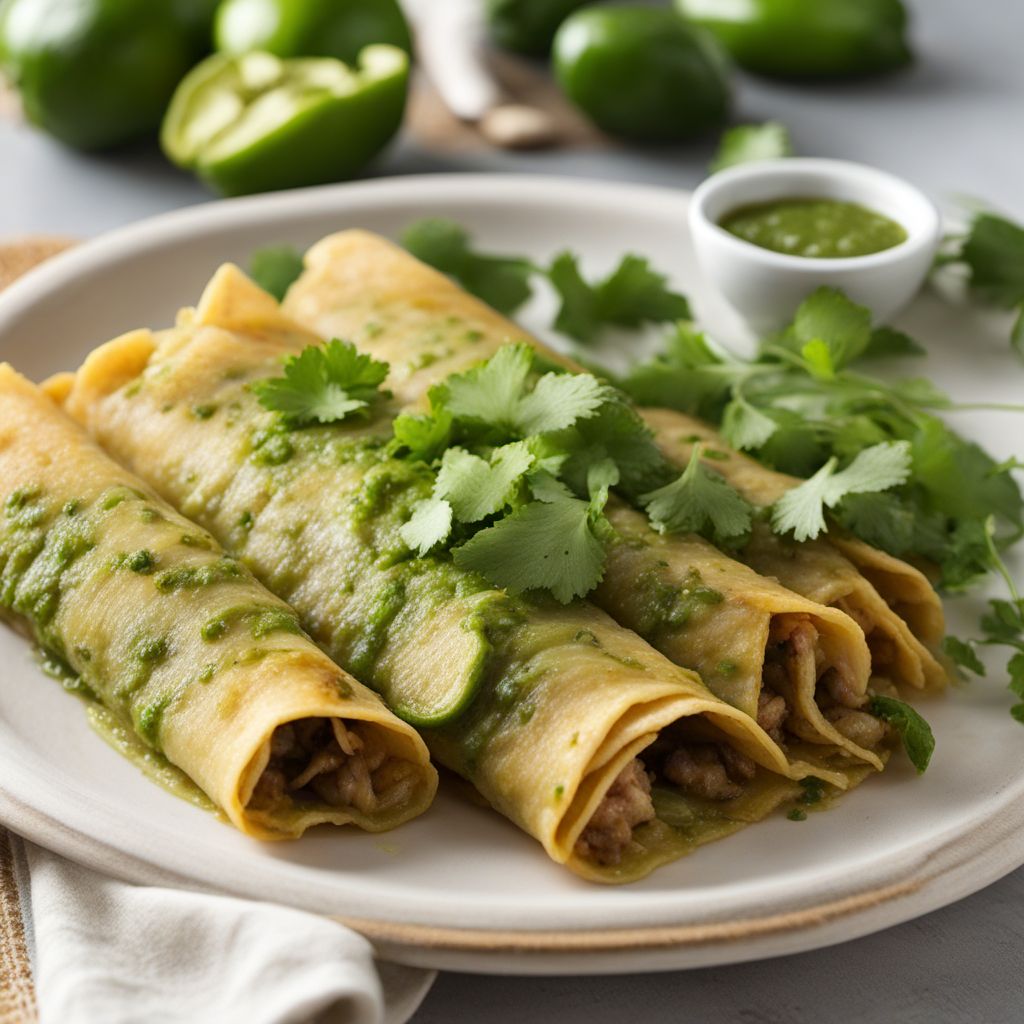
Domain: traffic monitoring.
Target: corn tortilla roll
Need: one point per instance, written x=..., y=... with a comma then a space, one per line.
x=611, y=756
x=188, y=654
x=801, y=665
x=892, y=601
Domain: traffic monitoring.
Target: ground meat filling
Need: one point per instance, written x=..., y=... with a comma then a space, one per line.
x=772, y=712
x=711, y=771
x=626, y=805
x=327, y=761
x=796, y=658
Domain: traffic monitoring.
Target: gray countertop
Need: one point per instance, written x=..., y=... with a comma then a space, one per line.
x=953, y=124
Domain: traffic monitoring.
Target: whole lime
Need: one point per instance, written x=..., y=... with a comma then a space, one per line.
x=642, y=73
x=98, y=73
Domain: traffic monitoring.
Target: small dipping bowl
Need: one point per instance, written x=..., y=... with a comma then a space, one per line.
x=765, y=287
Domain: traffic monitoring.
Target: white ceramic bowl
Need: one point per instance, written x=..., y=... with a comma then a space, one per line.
x=765, y=287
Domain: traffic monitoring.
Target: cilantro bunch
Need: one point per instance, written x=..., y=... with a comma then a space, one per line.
x=524, y=464
x=911, y=485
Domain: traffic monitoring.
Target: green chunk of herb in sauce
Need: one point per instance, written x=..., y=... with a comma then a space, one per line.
x=192, y=577
x=814, y=228
x=141, y=561
x=262, y=621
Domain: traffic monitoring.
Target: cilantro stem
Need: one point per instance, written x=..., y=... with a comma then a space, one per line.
x=997, y=562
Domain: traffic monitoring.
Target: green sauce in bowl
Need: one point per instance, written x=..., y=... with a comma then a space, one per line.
x=814, y=228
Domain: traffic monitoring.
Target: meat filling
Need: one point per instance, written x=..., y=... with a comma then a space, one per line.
x=626, y=805
x=796, y=658
x=327, y=761
x=708, y=770
x=772, y=712
x=712, y=771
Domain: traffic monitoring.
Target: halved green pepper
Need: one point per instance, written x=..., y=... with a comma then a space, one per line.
x=256, y=123
x=807, y=38
x=310, y=28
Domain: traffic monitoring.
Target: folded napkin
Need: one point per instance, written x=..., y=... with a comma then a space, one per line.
x=107, y=951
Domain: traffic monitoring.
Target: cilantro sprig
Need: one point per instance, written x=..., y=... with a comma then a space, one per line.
x=634, y=293
x=992, y=252
x=323, y=384
x=501, y=281
x=1002, y=626
x=631, y=295
x=700, y=501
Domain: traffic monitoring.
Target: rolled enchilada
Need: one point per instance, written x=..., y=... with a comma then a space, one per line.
x=610, y=755
x=894, y=603
x=192, y=659
x=797, y=665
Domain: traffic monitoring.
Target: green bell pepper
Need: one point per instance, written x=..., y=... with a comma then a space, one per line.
x=807, y=38
x=310, y=28
x=99, y=73
x=642, y=73
x=255, y=123
x=528, y=26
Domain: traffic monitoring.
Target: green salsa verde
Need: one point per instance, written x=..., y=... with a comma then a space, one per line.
x=814, y=228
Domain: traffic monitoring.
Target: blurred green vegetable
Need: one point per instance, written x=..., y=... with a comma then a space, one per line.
x=749, y=142
x=254, y=123
x=310, y=28
x=528, y=26
x=275, y=267
x=99, y=73
x=807, y=38
x=642, y=72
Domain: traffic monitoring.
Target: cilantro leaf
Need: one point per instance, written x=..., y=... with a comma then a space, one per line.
x=994, y=254
x=688, y=376
x=801, y=511
x=275, y=267
x=963, y=654
x=429, y=526
x=497, y=394
x=699, y=501
x=475, y=487
x=564, y=555
x=914, y=731
x=745, y=426
x=558, y=401
x=501, y=281
x=634, y=293
x=602, y=476
x=887, y=342
x=830, y=330
x=421, y=438
x=323, y=384
x=490, y=392
x=748, y=142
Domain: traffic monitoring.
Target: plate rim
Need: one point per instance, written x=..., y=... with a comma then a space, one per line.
x=881, y=897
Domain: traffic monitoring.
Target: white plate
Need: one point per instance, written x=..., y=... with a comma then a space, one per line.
x=461, y=888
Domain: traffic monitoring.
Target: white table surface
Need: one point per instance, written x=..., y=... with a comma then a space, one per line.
x=954, y=124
